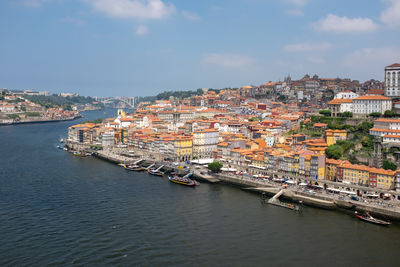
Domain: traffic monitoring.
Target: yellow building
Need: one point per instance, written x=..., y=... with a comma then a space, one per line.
x=384, y=178
x=355, y=174
x=331, y=168
x=183, y=147
x=367, y=176
x=332, y=136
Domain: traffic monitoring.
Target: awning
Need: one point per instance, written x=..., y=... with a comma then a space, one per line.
x=290, y=182
x=202, y=161
x=258, y=167
x=228, y=169
x=333, y=189
x=347, y=192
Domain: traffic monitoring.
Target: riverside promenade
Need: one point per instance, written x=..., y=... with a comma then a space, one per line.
x=296, y=193
x=321, y=198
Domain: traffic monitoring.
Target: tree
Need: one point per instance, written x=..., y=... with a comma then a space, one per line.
x=347, y=114
x=254, y=119
x=364, y=127
x=387, y=165
x=368, y=142
x=281, y=98
x=333, y=152
x=375, y=114
x=388, y=114
x=215, y=166
x=325, y=112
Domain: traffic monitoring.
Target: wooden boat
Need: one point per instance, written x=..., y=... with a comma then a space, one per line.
x=156, y=173
x=183, y=180
x=370, y=219
x=133, y=168
x=278, y=203
x=78, y=154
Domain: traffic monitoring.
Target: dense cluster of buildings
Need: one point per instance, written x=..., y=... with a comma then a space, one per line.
x=251, y=129
x=14, y=107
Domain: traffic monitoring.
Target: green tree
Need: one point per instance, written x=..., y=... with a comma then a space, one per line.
x=333, y=152
x=282, y=98
x=254, y=119
x=388, y=114
x=375, y=114
x=387, y=165
x=97, y=121
x=215, y=166
x=347, y=114
x=368, y=142
x=364, y=127
x=325, y=112
x=33, y=114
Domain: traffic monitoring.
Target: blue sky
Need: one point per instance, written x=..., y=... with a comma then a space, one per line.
x=143, y=47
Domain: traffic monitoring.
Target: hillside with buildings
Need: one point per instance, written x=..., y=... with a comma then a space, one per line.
x=313, y=128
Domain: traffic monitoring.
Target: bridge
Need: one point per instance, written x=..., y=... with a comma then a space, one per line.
x=130, y=102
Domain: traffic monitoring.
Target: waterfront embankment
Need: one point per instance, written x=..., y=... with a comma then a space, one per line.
x=319, y=199
x=295, y=193
x=37, y=120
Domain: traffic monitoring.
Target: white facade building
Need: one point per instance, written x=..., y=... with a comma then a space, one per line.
x=338, y=106
x=204, y=143
x=392, y=80
x=367, y=104
x=346, y=95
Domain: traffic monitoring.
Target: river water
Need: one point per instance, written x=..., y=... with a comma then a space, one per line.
x=58, y=209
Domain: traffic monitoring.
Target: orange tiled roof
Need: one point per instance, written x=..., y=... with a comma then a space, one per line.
x=384, y=130
x=372, y=97
x=388, y=120
x=340, y=101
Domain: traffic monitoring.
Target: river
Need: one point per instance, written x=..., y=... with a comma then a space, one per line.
x=58, y=209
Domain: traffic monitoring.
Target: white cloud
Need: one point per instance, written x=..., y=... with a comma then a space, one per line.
x=333, y=23
x=294, y=12
x=391, y=15
x=372, y=57
x=142, y=30
x=190, y=15
x=141, y=9
x=302, y=47
x=228, y=60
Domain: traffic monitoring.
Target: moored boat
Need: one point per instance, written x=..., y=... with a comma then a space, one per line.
x=155, y=172
x=183, y=180
x=278, y=203
x=133, y=168
x=78, y=153
x=370, y=219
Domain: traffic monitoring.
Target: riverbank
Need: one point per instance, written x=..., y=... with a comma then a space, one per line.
x=321, y=199
x=12, y=122
x=294, y=193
